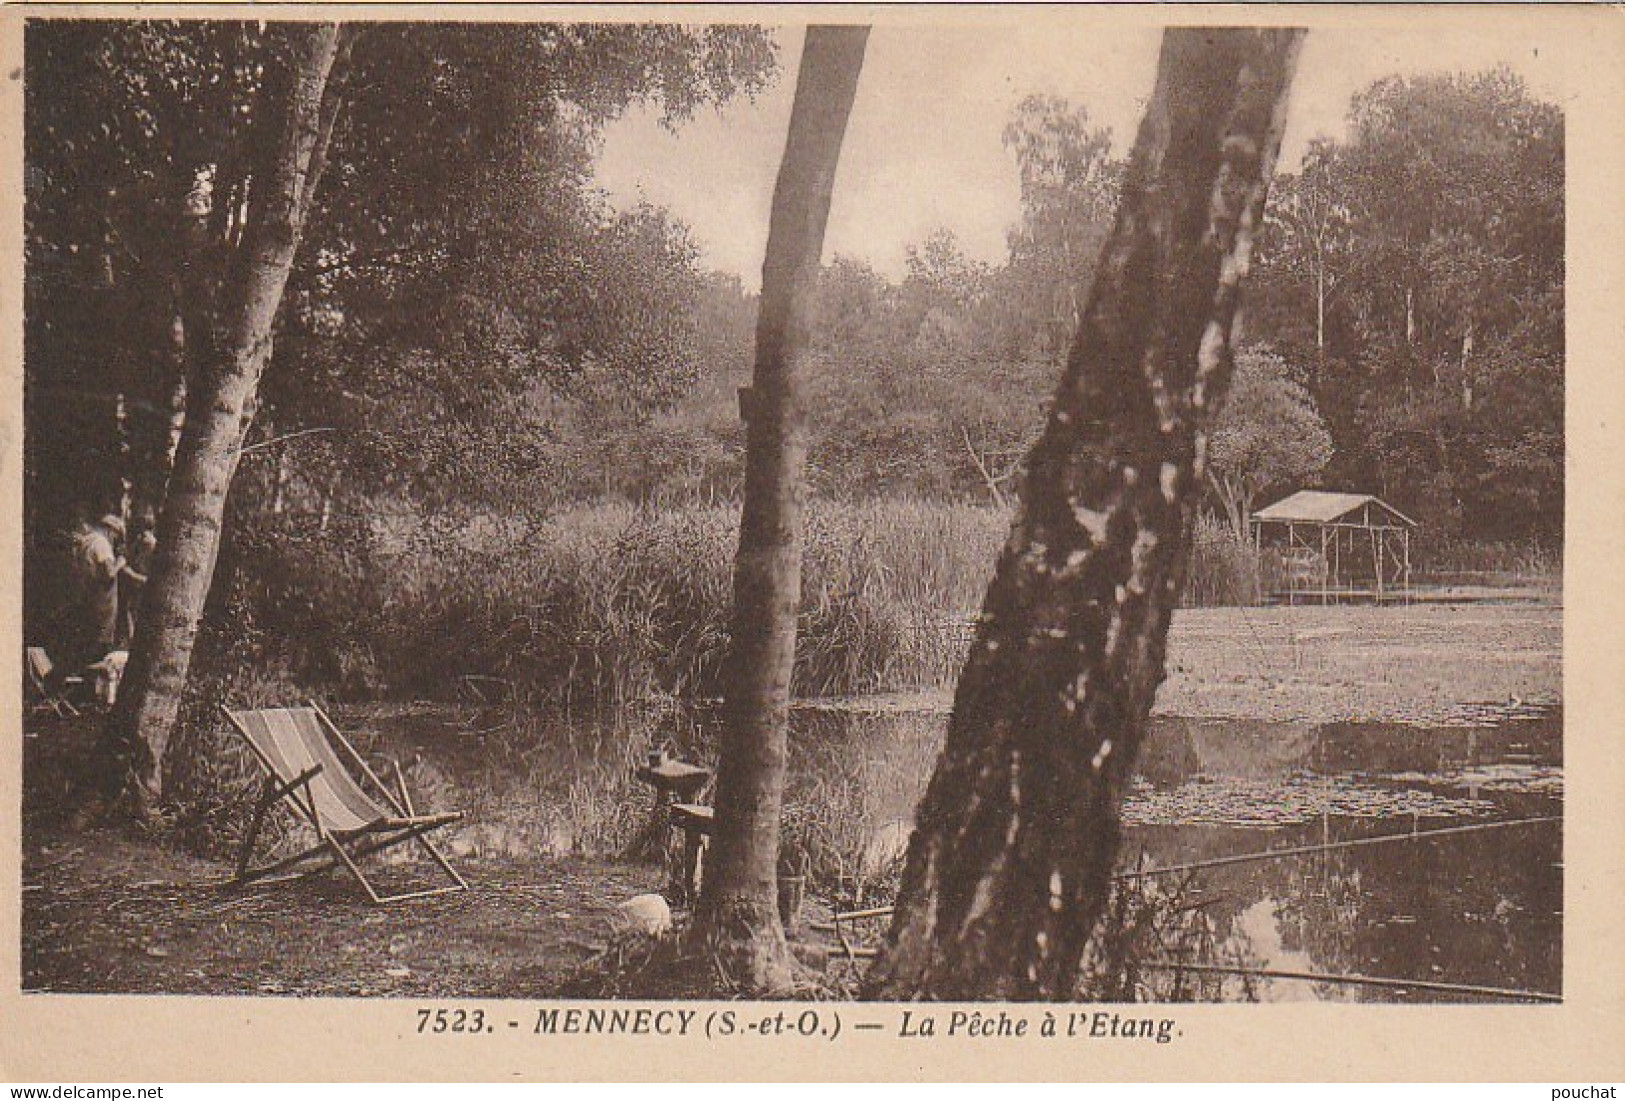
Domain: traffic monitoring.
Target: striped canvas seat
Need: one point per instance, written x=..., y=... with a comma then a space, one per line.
x=291, y=740
x=296, y=747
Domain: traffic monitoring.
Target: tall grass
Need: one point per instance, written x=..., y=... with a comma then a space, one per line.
x=1222, y=570
x=612, y=604
x=1491, y=562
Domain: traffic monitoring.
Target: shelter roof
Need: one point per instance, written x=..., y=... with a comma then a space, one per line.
x=1318, y=506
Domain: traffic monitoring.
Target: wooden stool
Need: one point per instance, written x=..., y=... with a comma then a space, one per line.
x=673, y=781
x=696, y=821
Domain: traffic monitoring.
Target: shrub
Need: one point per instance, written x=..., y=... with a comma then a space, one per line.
x=1223, y=570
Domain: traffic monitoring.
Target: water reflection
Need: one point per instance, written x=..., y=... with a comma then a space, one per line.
x=1475, y=908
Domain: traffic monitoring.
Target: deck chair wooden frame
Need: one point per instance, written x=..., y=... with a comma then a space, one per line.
x=295, y=747
x=37, y=666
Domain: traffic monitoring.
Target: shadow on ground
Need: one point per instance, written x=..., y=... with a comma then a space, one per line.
x=106, y=913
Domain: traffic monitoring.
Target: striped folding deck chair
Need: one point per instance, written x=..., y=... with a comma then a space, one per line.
x=42, y=697
x=295, y=746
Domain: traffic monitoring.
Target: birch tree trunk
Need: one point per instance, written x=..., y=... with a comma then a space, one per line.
x=1467, y=368
x=1320, y=315
x=1237, y=500
x=188, y=339
x=219, y=408
x=737, y=917
x=1011, y=859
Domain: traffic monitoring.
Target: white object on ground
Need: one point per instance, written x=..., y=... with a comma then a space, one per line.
x=648, y=914
x=106, y=675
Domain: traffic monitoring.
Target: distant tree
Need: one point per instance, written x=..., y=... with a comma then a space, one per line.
x=691, y=449
x=1069, y=185
x=890, y=372
x=737, y=918
x=915, y=387
x=1454, y=191
x=856, y=382
x=933, y=385
x=1269, y=434
x=477, y=310
x=1016, y=839
x=1307, y=234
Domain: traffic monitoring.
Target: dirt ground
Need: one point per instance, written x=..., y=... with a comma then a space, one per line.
x=108, y=912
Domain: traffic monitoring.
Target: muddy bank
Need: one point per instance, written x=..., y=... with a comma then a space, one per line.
x=1426, y=664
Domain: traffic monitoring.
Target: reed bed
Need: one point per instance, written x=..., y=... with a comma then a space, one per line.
x=579, y=631
x=615, y=604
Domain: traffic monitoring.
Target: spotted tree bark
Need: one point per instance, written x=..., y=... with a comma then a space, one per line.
x=293, y=134
x=191, y=284
x=737, y=916
x=1011, y=860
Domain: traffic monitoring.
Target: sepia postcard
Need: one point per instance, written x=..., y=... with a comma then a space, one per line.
x=812, y=542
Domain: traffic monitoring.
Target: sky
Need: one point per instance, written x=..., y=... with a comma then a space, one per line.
x=923, y=149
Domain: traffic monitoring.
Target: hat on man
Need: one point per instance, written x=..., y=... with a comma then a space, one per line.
x=113, y=524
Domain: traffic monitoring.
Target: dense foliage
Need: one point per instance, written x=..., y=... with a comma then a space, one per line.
x=465, y=305
x=476, y=341
x=1403, y=334
x=1416, y=271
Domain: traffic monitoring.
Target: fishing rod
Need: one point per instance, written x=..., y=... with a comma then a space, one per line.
x=1356, y=980
x=1274, y=854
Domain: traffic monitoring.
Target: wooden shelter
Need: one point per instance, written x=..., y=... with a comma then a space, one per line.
x=1334, y=546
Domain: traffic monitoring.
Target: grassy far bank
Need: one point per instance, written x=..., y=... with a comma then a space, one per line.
x=1422, y=664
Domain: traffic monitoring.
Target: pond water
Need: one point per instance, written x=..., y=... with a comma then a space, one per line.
x=1481, y=907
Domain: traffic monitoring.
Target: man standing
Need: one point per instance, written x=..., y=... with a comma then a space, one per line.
x=90, y=622
x=133, y=577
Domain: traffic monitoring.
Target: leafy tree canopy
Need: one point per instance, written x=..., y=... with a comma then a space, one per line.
x=1269, y=435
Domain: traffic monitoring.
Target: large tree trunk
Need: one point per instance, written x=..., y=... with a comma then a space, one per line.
x=1013, y=851
x=220, y=406
x=187, y=341
x=737, y=917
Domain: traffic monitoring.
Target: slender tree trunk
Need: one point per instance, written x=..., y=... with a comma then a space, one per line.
x=122, y=449
x=279, y=483
x=1320, y=321
x=330, y=492
x=737, y=916
x=1237, y=502
x=1011, y=859
x=220, y=406
x=1467, y=368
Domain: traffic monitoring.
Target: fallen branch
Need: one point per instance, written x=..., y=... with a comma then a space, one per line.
x=53, y=863
x=1357, y=980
